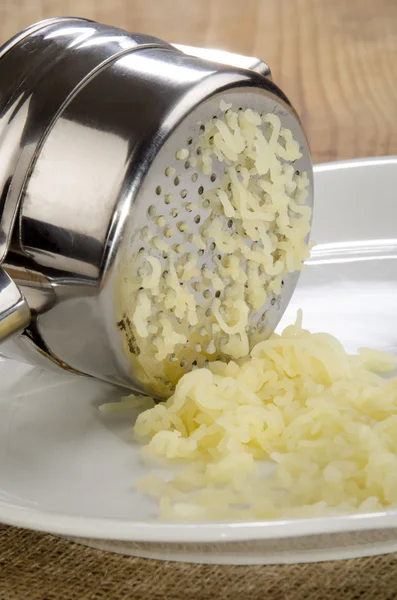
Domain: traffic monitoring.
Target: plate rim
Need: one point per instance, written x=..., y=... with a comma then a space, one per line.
x=199, y=532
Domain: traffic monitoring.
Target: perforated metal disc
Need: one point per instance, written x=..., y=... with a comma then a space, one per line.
x=172, y=195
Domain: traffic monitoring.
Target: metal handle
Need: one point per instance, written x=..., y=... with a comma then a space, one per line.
x=228, y=58
x=15, y=314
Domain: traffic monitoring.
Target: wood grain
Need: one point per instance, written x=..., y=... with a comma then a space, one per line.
x=335, y=59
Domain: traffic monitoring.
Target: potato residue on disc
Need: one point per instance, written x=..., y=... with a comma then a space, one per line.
x=246, y=226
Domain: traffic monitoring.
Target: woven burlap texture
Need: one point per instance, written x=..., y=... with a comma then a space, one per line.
x=35, y=566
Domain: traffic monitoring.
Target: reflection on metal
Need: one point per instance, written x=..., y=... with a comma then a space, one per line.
x=14, y=312
x=228, y=58
x=32, y=334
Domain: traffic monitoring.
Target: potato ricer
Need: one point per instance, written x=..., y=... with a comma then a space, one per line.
x=152, y=196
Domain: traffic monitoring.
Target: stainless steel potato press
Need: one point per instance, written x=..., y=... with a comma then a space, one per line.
x=91, y=121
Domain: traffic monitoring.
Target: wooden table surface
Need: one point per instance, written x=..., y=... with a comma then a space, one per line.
x=335, y=59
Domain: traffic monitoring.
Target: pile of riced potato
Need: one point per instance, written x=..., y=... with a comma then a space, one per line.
x=291, y=427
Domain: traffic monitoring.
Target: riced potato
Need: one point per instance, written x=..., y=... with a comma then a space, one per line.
x=322, y=422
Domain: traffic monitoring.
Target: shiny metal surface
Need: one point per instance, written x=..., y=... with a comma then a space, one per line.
x=38, y=71
x=87, y=124
x=249, y=63
x=15, y=313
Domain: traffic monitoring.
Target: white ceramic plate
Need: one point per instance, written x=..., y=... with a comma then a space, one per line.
x=66, y=469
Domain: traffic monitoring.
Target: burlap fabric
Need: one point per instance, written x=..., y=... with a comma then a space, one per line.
x=35, y=566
